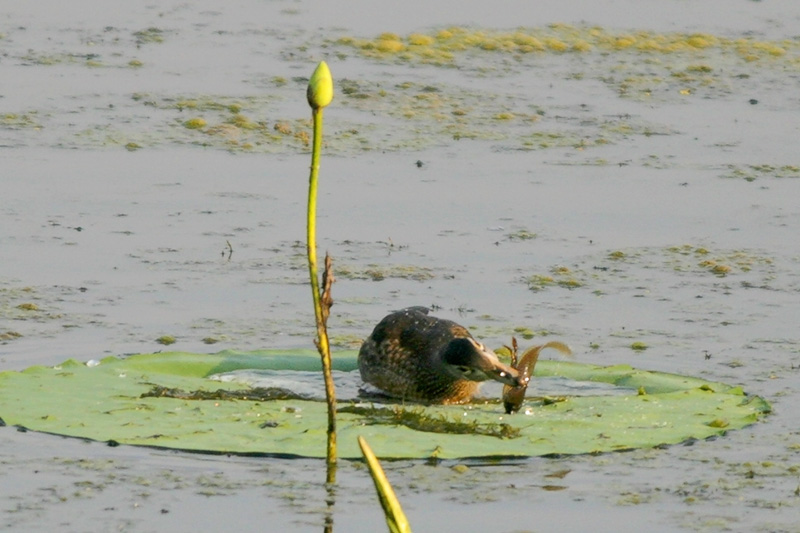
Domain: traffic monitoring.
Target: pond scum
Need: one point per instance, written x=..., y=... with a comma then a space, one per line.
x=443, y=46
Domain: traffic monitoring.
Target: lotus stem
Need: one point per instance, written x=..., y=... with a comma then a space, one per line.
x=395, y=517
x=320, y=94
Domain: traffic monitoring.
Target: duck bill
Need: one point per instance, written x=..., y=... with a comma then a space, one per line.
x=504, y=374
x=492, y=368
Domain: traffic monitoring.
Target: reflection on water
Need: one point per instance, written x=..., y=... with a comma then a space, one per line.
x=305, y=384
x=349, y=386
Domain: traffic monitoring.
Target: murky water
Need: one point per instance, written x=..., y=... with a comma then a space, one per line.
x=603, y=198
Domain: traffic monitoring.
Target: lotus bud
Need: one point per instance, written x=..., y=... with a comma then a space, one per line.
x=320, y=87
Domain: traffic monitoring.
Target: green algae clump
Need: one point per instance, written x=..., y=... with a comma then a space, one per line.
x=195, y=123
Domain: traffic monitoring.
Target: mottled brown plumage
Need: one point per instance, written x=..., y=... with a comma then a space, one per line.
x=416, y=357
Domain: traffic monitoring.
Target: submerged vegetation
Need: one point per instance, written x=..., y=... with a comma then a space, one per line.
x=255, y=394
x=419, y=420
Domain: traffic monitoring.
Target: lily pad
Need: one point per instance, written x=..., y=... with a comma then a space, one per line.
x=169, y=400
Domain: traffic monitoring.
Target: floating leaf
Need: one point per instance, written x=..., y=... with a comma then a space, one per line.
x=114, y=401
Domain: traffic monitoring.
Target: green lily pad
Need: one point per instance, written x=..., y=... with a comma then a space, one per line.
x=168, y=400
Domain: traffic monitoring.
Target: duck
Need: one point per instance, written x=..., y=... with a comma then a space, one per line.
x=416, y=357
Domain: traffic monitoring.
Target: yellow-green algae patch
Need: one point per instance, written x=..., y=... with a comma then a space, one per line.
x=195, y=123
x=380, y=272
x=413, y=116
x=756, y=171
x=47, y=59
x=410, y=115
x=392, y=113
x=149, y=35
x=691, y=258
x=231, y=123
x=19, y=120
x=520, y=235
x=446, y=46
x=425, y=114
x=600, y=273
x=639, y=64
x=166, y=340
x=29, y=305
x=559, y=276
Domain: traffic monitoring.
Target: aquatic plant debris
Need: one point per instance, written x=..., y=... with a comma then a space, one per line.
x=104, y=402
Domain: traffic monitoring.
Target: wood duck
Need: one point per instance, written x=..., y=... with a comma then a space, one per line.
x=417, y=357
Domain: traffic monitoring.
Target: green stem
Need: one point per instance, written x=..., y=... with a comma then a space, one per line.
x=323, y=344
x=392, y=510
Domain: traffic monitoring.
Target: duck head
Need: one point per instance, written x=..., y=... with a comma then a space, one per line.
x=465, y=358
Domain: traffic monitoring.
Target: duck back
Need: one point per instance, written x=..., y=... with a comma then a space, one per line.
x=402, y=357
